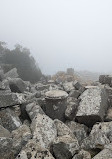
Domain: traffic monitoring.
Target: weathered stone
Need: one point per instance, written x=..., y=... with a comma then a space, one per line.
x=106, y=153
x=33, y=151
x=105, y=79
x=82, y=155
x=17, y=85
x=10, y=99
x=40, y=87
x=4, y=85
x=77, y=85
x=20, y=138
x=65, y=147
x=17, y=110
x=44, y=130
x=95, y=141
x=79, y=130
x=4, y=132
x=9, y=120
x=12, y=73
x=74, y=93
x=103, y=128
x=33, y=109
x=71, y=110
x=63, y=129
x=56, y=103
x=93, y=106
x=6, y=148
x=109, y=115
x=38, y=94
x=68, y=86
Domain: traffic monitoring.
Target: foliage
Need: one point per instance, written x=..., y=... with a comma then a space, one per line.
x=21, y=58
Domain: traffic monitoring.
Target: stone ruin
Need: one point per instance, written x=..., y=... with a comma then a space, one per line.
x=55, y=120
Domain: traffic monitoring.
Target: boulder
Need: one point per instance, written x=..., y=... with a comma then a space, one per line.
x=106, y=153
x=78, y=86
x=68, y=86
x=12, y=73
x=65, y=147
x=9, y=120
x=17, y=85
x=105, y=79
x=33, y=109
x=6, y=148
x=20, y=138
x=71, y=110
x=34, y=151
x=93, y=106
x=63, y=129
x=10, y=99
x=79, y=130
x=103, y=128
x=4, y=132
x=44, y=130
x=74, y=93
x=95, y=141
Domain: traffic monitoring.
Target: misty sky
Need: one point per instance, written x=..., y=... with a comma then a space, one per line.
x=60, y=33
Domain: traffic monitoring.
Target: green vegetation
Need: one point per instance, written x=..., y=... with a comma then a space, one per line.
x=21, y=58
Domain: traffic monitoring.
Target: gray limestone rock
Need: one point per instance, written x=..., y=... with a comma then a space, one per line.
x=65, y=147
x=63, y=129
x=20, y=137
x=33, y=109
x=34, y=151
x=71, y=110
x=9, y=120
x=79, y=130
x=10, y=99
x=12, y=73
x=44, y=130
x=68, y=86
x=6, y=148
x=4, y=132
x=93, y=105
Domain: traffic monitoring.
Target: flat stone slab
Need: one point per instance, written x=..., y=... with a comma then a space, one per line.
x=56, y=94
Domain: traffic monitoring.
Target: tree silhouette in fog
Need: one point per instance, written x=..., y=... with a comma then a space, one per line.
x=21, y=58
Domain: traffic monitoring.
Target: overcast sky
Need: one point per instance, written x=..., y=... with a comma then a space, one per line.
x=60, y=33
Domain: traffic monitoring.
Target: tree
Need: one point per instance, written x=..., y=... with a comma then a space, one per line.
x=21, y=58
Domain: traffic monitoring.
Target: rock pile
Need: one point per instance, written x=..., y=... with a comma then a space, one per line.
x=55, y=120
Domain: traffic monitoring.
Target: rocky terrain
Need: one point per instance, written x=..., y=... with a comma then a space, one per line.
x=55, y=119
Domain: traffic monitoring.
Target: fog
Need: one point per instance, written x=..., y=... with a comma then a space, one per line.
x=61, y=33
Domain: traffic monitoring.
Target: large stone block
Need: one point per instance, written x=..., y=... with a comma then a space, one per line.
x=44, y=130
x=9, y=120
x=8, y=99
x=93, y=106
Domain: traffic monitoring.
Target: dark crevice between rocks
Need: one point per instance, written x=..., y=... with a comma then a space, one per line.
x=14, y=88
x=24, y=115
x=94, y=152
